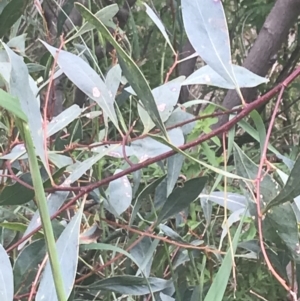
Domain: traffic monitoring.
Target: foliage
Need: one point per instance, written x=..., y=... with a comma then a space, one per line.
x=133, y=195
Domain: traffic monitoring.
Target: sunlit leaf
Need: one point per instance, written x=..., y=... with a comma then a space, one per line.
x=166, y=97
x=147, y=147
x=174, y=165
x=234, y=201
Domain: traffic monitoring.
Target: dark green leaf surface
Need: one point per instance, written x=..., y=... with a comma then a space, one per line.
x=181, y=198
x=11, y=14
x=130, y=285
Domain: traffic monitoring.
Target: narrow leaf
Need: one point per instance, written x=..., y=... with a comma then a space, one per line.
x=291, y=189
x=19, y=78
x=11, y=14
x=131, y=71
x=6, y=277
x=130, y=285
x=12, y=105
x=206, y=27
x=86, y=79
x=220, y=282
x=181, y=198
x=208, y=76
x=120, y=195
x=67, y=249
x=60, y=121
x=159, y=24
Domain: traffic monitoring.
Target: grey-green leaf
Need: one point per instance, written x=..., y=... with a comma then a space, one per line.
x=120, y=195
x=67, y=248
x=131, y=71
x=19, y=77
x=208, y=76
x=6, y=277
x=86, y=79
x=206, y=27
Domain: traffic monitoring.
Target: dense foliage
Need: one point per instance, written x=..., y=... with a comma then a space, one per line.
x=125, y=175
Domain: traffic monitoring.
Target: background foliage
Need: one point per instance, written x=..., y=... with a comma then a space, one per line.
x=110, y=130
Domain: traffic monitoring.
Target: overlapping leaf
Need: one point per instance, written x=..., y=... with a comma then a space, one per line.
x=131, y=71
x=86, y=79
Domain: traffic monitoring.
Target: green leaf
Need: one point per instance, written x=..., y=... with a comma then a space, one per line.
x=18, y=194
x=282, y=221
x=290, y=190
x=143, y=254
x=64, y=12
x=174, y=165
x=6, y=275
x=215, y=169
x=10, y=15
x=181, y=198
x=130, y=285
x=55, y=200
x=159, y=24
x=11, y=104
x=131, y=71
x=67, y=248
x=246, y=168
x=260, y=127
x=220, y=282
x=147, y=191
x=106, y=15
x=27, y=264
x=207, y=76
